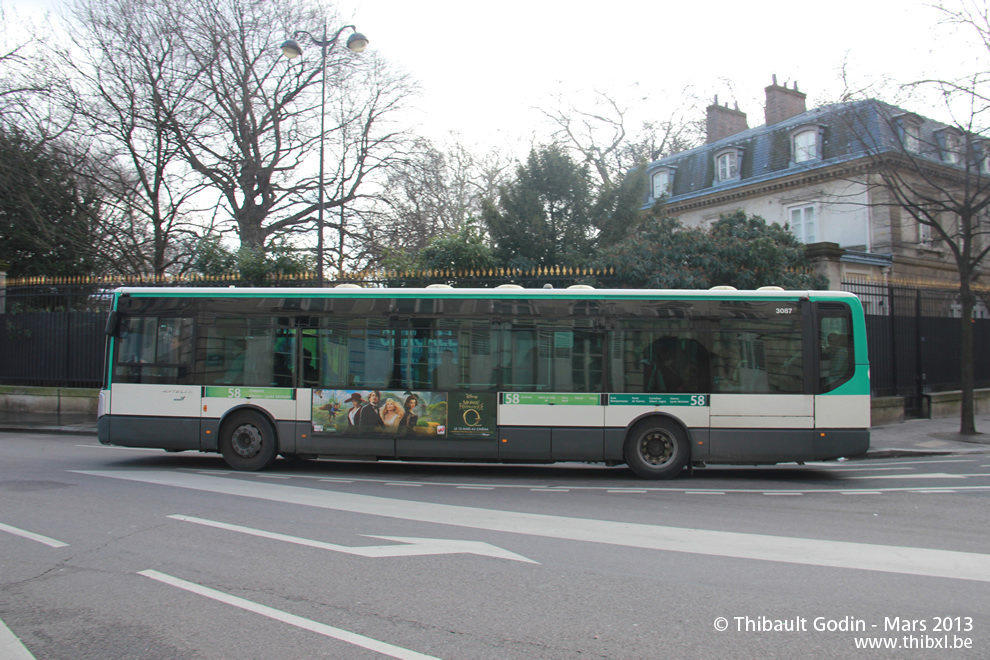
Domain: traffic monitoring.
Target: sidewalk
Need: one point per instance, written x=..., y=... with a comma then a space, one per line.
x=922, y=437
x=928, y=437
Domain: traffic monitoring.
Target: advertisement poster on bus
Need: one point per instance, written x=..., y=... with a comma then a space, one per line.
x=404, y=413
x=471, y=415
x=377, y=412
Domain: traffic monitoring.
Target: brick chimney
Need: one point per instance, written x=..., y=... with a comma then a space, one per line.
x=723, y=121
x=783, y=103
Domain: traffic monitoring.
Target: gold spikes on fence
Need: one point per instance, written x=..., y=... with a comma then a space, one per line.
x=369, y=275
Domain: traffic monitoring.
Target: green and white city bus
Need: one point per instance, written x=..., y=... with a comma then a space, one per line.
x=656, y=379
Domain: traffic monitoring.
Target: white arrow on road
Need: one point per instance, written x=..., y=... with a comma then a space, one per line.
x=412, y=546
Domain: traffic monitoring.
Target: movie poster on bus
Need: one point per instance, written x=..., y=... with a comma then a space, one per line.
x=380, y=412
x=472, y=415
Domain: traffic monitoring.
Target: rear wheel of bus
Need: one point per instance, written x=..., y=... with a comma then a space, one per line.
x=657, y=449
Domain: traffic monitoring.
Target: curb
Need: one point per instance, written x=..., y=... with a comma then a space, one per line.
x=62, y=430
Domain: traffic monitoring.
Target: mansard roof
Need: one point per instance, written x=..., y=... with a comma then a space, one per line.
x=849, y=131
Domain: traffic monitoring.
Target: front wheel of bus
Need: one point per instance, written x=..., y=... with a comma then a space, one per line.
x=248, y=442
x=657, y=449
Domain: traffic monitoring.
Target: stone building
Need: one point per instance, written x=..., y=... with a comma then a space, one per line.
x=820, y=172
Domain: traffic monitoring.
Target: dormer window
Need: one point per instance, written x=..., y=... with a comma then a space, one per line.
x=912, y=138
x=909, y=132
x=950, y=146
x=727, y=162
x=661, y=182
x=805, y=144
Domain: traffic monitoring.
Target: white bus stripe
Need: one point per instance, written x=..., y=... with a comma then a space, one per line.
x=298, y=621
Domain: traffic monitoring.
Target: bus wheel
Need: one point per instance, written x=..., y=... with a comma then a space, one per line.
x=657, y=449
x=248, y=442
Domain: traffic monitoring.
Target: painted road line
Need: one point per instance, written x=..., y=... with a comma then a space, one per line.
x=298, y=621
x=31, y=535
x=929, y=462
x=934, y=475
x=411, y=547
x=11, y=648
x=793, y=550
x=843, y=468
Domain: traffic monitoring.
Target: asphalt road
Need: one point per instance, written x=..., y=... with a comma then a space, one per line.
x=120, y=553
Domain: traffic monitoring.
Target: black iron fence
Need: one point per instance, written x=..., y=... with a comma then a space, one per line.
x=52, y=334
x=914, y=339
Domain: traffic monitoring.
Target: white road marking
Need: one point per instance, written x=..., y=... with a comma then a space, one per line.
x=934, y=475
x=843, y=468
x=874, y=462
x=11, y=648
x=158, y=451
x=298, y=621
x=31, y=535
x=814, y=552
x=410, y=547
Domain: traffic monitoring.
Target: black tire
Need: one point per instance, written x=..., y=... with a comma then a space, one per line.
x=248, y=442
x=657, y=449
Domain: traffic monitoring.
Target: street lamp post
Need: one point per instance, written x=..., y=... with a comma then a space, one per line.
x=356, y=42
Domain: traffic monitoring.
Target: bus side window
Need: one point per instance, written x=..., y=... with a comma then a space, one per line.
x=835, y=356
x=310, y=357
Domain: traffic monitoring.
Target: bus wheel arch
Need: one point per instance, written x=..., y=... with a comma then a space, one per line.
x=248, y=440
x=657, y=447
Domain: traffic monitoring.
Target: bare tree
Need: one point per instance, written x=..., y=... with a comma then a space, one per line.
x=435, y=192
x=249, y=128
x=210, y=122
x=116, y=72
x=939, y=176
x=28, y=84
x=368, y=148
x=602, y=138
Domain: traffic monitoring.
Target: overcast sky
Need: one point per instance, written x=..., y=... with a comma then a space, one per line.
x=485, y=67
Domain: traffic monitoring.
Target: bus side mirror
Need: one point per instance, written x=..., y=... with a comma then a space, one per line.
x=113, y=324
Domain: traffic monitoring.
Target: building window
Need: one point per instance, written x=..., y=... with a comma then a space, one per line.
x=951, y=147
x=912, y=138
x=910, y=134
x=924, y=233
x=727, y=165
x=803, y=223
x=661, y=183
x=805, y=145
